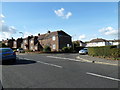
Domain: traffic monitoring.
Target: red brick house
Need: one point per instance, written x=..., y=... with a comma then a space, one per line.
x=25, y=43
x=9, y=42
x=17, y=43
x=56, y=40
x=34, y=44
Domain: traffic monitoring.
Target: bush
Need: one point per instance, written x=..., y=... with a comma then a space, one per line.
x=66, y=49
x=2, y=45
x=47, y=49
x=28, y=50
x=104, y=51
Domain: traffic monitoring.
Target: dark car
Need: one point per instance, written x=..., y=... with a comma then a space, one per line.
x=7, y=54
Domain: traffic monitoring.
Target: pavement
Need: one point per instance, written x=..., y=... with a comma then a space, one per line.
x=96, y=60
x=57, y=71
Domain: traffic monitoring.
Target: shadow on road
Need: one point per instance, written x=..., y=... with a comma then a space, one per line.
x=19, y=62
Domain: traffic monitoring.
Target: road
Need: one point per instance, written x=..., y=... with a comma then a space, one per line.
x=57, y=71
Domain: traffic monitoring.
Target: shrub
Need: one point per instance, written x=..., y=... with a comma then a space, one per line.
x=3, y=45
x=104, y=51
x=66, y=49
x=47, y=49
x=28, y=50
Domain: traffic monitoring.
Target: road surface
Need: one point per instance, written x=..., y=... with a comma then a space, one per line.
x=57, y=71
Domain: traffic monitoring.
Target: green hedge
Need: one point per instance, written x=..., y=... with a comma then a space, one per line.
x=47, y=49
x=66, y=49
x=104, y=51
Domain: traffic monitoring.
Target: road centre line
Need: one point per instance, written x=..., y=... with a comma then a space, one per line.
x=97, y=75
x=50, y=64
x=45, y=63
x=63, y=58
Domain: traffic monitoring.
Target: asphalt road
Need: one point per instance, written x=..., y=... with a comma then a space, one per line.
x=57, y=71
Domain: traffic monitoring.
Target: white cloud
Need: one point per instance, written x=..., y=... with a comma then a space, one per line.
x=2, y=16
x=68, y=15
x=7, y=31
x=61, y=13
x=108, y=31
x=82, y=36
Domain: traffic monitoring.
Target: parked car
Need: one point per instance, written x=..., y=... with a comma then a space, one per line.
x=7, y=54
x=20, y=50
x=83, y=51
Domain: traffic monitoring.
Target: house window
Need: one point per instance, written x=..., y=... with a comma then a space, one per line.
x=14, y=42
x=35, y=47
x=53, y=38
x=54, y=46
x=31, y=41
x=25, y=41
x=24, y=47
x=31, y=47
x=68, y=45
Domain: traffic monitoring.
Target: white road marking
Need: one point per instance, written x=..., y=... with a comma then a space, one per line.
x=45, y=63
x=63, y=58
x=50, y=64
x=97, y=75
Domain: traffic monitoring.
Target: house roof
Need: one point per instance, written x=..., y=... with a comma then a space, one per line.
x=49, y=35
x=98, y=40
x=114, y=40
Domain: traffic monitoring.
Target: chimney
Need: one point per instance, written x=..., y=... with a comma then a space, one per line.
x=38, y=34
x=48, y=31
x=12, y=38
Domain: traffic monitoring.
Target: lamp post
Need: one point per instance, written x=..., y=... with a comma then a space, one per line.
x=73, y=40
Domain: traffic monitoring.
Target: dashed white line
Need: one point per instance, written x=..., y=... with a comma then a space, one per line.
x=50, y=64
x=45, y=63
x=63, y=58
x=97, y=75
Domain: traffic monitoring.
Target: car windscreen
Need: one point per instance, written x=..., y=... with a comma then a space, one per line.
x=20, y=49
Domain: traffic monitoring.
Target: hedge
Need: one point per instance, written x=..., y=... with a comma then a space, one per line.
x=66, y=49
x=104, y=51
x=47, y=49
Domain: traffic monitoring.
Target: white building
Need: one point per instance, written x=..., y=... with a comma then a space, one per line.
x=102, y=42
x=97, y=42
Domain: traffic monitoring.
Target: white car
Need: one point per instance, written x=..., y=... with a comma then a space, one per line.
x=20, y=50
x=83, y=51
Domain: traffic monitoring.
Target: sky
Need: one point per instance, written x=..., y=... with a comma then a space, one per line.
x=82, y=20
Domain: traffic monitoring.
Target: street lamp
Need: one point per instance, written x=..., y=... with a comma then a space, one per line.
x=22, y=34
x=73, y=40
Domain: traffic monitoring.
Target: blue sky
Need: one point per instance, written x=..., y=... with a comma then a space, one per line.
x=82, y=20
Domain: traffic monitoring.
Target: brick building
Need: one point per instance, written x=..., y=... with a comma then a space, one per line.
x=34, y=44
x=9, y=42
x=17, y=43
x=56, y=40
x=25, y=43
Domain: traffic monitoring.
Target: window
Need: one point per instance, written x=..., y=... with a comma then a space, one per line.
x=31, y=41
x=24, y=47
x=53, y=38
x=54, y=46
x=36, y=47
x=25, y=41
x=14, y=42
x=68, y=45
x=31, y=47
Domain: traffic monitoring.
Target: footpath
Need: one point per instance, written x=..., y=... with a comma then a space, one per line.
x=90, y=59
